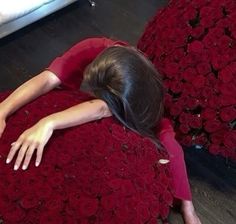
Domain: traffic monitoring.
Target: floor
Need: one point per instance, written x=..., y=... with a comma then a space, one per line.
x=28, y=51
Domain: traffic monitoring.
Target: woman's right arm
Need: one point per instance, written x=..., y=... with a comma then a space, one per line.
x=38, y=85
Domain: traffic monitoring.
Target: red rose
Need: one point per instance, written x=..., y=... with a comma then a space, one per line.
x=200, y=139
x=188, y=89
x=217, y=137
x=176, y=87
x=228, y=113
x=186, y=140
x=175, y=109
x=143, y=212
x=56, y=179
x=211, y=83
x=227, y=88
x=29, y=201
x=190, y=13
x=154, y=208
x=14, y=214
x=207, y=92
x=184, y=128
x=115, y=183
x=203, y=68
x=189, y=74
x=225, y=42
x=168, y=197
x=195, y=122
x=45, y=191
x=225, y=75
x=220, y=61
x=230, y=139
x=184, y=117
x=198, y=3
x=127, y=188
x=227, y=100
x=85, y=168
x=192, y=103
x=199, y=81
x=214, y=149
x=55, y=203
x=64, y=158
x=196, y=46
x=50, y=217
x=213, y=126
x=214, y=102
x=87, y=206
x=197, y=31
x=178, y=54
x=118, y=132
x=116, y=159
x=164, y=210
x=207, y=22
x=172, y=69
x=109, y=201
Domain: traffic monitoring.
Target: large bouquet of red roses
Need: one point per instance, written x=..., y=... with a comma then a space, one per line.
x=98, y=172
x=193, y=44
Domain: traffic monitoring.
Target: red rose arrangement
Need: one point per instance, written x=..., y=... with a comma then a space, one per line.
x=193, y=44
x=98, y=172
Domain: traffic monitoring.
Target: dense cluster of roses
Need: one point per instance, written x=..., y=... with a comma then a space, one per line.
x=193, y=44
x=99, y=172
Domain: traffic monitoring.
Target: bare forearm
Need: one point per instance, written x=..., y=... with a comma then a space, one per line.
x=79, y=114
x=28, y=91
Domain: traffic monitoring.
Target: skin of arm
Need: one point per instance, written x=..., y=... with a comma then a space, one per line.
x=28, y=91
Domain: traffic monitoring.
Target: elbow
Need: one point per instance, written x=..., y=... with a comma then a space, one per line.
x=105, y=111
x=51, y=79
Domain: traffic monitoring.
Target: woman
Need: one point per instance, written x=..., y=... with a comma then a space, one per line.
x=124, y=83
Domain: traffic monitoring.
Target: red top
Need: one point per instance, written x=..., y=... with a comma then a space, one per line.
x=70, y=66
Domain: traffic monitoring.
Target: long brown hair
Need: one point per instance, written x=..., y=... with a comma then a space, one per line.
x=130, y=85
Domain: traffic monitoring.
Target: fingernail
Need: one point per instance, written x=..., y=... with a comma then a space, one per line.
x=8, y=161
x=37, y=163
x=24, y=167
x=15, y=167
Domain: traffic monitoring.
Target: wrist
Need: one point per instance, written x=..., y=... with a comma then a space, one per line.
x=48, y=122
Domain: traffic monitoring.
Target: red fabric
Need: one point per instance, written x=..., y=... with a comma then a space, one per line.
x=69, y=68
x=177, y=164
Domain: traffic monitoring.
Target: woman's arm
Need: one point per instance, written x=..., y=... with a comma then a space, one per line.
x=28, y=91
x=37, y=136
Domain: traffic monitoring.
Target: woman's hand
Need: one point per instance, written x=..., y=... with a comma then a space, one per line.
x=34, y=138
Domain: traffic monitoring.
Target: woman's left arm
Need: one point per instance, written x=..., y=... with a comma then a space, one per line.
x=36, y=137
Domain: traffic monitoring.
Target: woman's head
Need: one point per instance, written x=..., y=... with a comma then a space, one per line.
x=128, y=82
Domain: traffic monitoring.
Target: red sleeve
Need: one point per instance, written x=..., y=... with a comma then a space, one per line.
x=70, y=66
x=177, y=163
x=167, y=138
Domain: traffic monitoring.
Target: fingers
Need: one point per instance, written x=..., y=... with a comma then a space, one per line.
x=39, y=155
x=28, y=156
x=25, y=151
x=20, y=156
x=13, y=150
